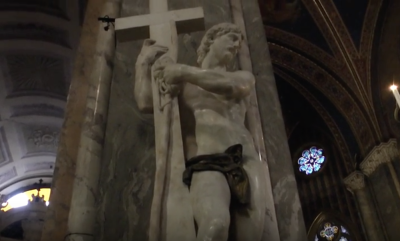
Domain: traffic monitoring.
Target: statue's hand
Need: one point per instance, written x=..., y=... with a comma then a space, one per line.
x=165, y=71
x=150, y=52
x=173, y=73
x=165, y=68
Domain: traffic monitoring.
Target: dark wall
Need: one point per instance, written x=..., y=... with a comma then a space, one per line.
x=387, y=201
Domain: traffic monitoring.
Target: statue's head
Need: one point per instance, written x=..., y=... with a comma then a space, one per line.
x=223, y=40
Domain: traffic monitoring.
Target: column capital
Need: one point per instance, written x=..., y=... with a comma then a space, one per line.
x=380, y=154
x=354, y=181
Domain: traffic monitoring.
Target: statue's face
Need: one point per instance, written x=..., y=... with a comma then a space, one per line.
x=225, y=47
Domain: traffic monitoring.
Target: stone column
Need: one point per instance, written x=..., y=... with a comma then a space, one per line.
x=355, y=183
x=286, y=198
x=83, y=210
x=83, y=128
x=384, y=184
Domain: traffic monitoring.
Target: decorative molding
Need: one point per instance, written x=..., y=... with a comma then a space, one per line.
x=355, y=181
x=322, y=24
x=55, y=8
x=44, y=137
x=7, y=175
x=330, y=12
x=339, y=35
x=5, y=155
x=310, y=49
x=383, y=153
x=367, y=37
x=34, y=31
x=42, y=166
x=35, y=74
x=40, y=140
x=336, y=93
x=37, y=109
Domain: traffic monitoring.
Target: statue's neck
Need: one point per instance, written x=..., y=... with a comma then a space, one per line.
x=210, y=62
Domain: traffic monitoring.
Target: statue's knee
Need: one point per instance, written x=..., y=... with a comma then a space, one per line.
x=219, y=223
x=219, y=226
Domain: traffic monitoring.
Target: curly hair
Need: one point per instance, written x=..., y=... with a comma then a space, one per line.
x=213, y=33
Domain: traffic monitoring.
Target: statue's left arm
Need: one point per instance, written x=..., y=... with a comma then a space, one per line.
x=231, y=84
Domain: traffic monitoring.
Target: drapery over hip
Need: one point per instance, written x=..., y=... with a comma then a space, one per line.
x=228, y=163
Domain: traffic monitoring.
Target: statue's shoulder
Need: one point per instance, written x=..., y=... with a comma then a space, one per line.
x=247, y=75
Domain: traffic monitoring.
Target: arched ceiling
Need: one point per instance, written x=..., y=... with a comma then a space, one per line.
x=326, y=50
x=37, y=45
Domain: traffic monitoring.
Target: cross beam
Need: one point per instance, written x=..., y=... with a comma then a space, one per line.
x=138, y=27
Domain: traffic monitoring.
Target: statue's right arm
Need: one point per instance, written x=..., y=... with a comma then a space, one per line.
x=143, y=88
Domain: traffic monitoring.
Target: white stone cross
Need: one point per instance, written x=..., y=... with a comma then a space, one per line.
x=171, y=216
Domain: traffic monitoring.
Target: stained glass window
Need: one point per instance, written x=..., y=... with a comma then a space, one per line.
x=329, y=231
x=344, y=230
x=311, y=160
x=332, y=226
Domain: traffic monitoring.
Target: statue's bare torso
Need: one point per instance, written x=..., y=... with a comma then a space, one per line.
x=220, y=123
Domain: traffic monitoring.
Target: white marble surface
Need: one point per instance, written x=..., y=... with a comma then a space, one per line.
x=217, y=100
x=83, y=210
x=285, y=193
x=131, y=134
x=271, y=231
x=171, y=208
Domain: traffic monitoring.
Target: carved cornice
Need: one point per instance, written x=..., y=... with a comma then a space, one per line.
x=383, y=153
x=337, y=94
x=337, y=134
x=355, y=181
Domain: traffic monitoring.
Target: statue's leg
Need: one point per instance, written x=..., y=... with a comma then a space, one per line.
x=210, y=196
x=249, y=221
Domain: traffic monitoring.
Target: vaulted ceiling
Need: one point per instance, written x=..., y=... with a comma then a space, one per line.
x=334, y=61
x=37, y=45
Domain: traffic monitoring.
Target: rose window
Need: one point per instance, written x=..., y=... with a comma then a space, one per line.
x=329, y=231
x=311, y=160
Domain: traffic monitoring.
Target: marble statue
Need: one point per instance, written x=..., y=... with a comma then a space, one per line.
x=212, y=104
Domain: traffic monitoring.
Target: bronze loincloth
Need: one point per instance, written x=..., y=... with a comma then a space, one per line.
x=230, y=164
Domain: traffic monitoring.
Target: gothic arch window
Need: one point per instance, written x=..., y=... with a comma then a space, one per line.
x=330, y=226
x=310, y=160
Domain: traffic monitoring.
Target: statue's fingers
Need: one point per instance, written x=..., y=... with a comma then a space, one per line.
x=159, y=54
x=160, y=48
x=149, y=42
